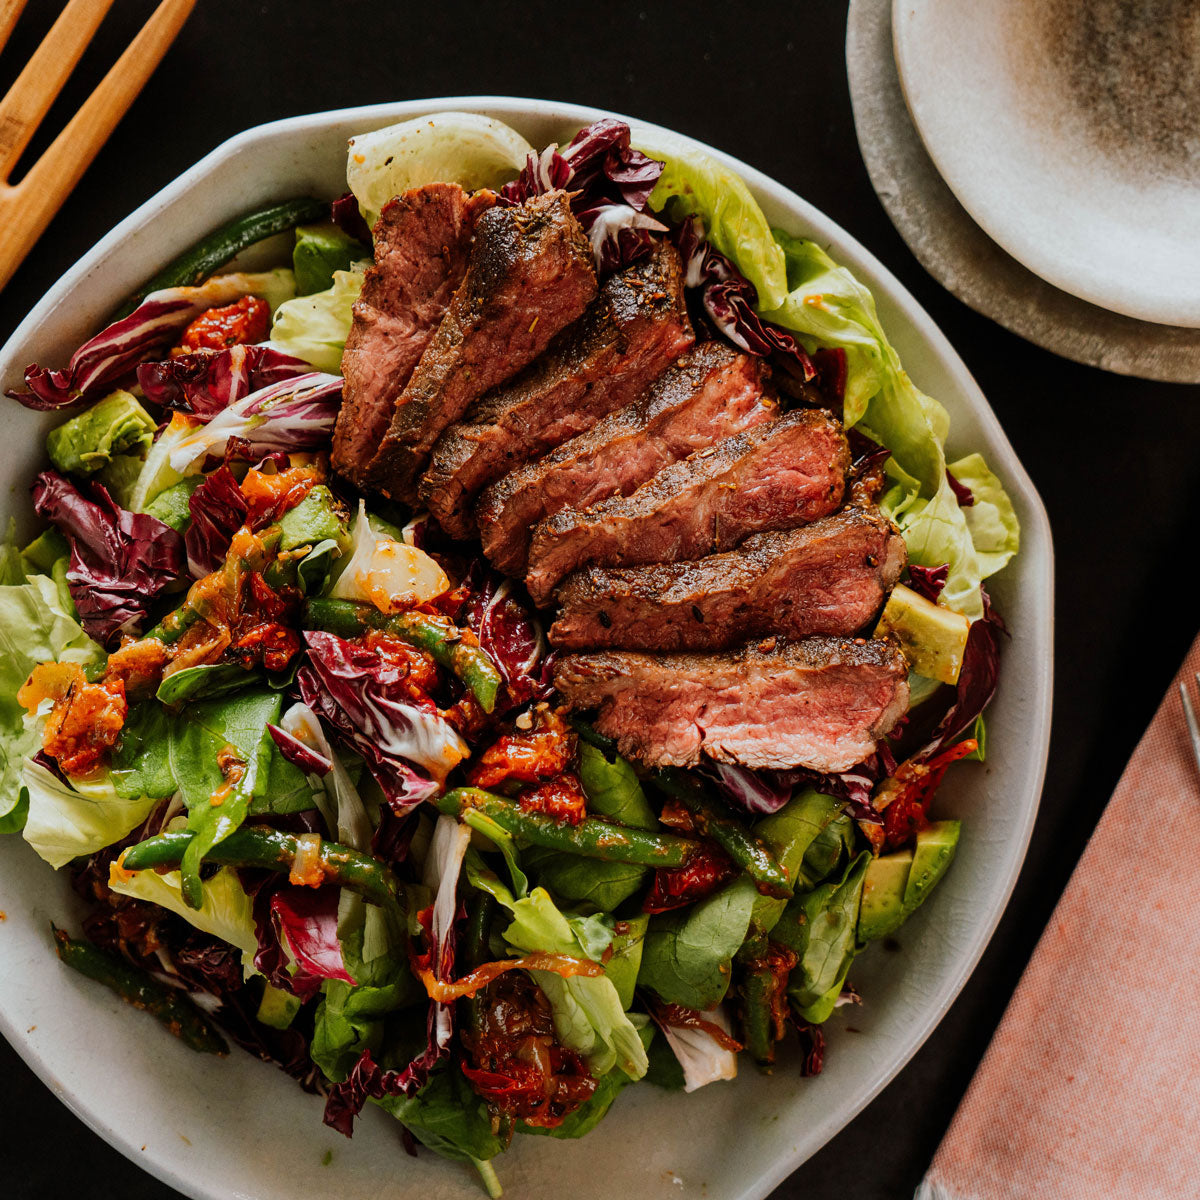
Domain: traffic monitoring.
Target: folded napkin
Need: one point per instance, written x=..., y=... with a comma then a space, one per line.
x=1090, y=1089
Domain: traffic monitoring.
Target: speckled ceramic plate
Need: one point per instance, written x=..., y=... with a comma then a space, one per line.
x=214, y=1128
x=1071, y=133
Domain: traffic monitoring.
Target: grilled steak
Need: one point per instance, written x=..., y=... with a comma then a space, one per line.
x=775, y=476
x=827, y=577
x=821, y=702
x=529, y=276
x=709, y=394
x=422, y=240
x=633, y=331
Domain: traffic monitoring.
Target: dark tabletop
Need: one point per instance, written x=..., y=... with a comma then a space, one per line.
x=1113, y=458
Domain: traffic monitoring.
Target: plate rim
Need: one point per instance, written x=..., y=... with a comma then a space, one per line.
x=848, y=250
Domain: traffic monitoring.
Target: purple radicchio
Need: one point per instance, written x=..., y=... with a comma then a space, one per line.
x=309, y=759
x=729, y=299
x=218, y=511
x=853, y=787
x=510, y=634
x=928, y=581
x=294, y=414
x=121, y=562
x=347, y=216
x=366, y=700
x=610, y=184
x=962, y=493
x=206, y=382
x=111, y=356
x=760, y=792
x=303, y=921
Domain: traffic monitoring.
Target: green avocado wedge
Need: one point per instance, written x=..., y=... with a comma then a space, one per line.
x=882, y=909
x=897, y=884
x=934, y=852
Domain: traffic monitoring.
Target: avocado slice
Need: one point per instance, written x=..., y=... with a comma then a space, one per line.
x=171, y=505
x=313, y=520
x=883, y=909
x=934, y=851
x=933, y=638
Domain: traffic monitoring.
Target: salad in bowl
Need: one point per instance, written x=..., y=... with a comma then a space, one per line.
x=509, y=652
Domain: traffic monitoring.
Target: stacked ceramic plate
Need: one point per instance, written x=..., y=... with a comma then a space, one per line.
x=1042, y=160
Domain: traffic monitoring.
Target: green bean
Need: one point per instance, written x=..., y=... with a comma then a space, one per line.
x=588, y=733
x=715, y=821
x=433, y=633
x=590, y=838
x=259, y=847
x=215, y=250
x=166, y=1004
x=758, y=1024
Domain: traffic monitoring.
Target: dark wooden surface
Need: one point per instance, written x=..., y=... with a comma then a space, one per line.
x=1114, y=458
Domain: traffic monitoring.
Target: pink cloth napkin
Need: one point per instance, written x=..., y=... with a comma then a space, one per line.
x=1090, y=1089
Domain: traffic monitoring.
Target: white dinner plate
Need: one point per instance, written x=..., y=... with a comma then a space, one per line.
x=217, y=1128
x=1070, y=131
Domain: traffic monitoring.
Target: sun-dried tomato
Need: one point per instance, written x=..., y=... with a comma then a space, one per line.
x=84, y=724
x=139, y=665
x=547, y=750
x=269, y=494
x=702, y=874
x=246, y=321
x=516, y=1063
x=560, y=798
x=904, y=797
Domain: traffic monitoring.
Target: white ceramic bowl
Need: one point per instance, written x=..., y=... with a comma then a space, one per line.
x=1068, y=131
x=236, y=1127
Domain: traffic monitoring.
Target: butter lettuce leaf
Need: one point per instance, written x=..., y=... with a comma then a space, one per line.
x=694, y=183
x=315, y=327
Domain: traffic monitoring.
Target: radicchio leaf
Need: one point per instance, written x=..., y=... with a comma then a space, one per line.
x=206, y=382
x=962, y=493
x=307, y=918
x=760, y=792
x=368, y=1080
x=367, y=701
x=853, y=787
x=121, y=562
x=509, y=633
x=610, y=183
x=729, y=299
x=112, y=354
x=310, y=761
x=218, y=511
x=347, y=216
x=928, y=581
x=295, y=414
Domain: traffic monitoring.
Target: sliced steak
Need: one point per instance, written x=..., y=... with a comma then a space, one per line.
x=422, y=240
x=529, y=276
x=708, y=395
x=828, y=577
x=820, y=703
x=633, y=331
x=775, y=476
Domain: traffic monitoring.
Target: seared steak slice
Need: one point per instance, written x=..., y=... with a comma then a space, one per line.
x=775, y=476
x=529, y=276
x=633, y=331
x=820, y=703
x=709, y=394
x=827, y=577
x=422, y=240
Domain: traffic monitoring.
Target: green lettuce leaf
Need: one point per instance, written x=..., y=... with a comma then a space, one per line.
x=588, y=1014
x=314, y=327
x=37, y=624
x=995, y=530
x=157, y=474
x=828, y=307
x=696, y=184
x=687, y=953
x=449, y=147
x=64, y=822
x=819, y=927
x=225, y=911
